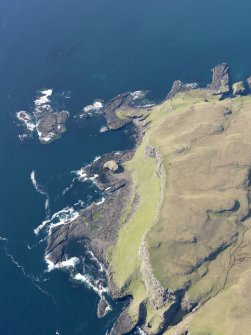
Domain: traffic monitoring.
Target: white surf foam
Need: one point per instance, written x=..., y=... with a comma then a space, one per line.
x=137, y=94
x=62, y=217
x=96, y=106
x=103, y=129
x=147, y=105
x=37, y=187
x=95, y=285
x=67, y=264
x=68, y=188
x=44, y=98
x=100, y=202
x=82, y=175
x=94, y=258
x=96, y=158
x=26, y=119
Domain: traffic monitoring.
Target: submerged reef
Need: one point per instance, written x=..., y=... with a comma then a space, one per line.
x=173, y=232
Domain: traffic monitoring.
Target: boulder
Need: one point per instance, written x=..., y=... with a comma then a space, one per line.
x=111, y=165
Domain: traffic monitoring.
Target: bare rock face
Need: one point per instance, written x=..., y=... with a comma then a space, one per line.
x=239, y=88
x=220, y=80
x=111, y=165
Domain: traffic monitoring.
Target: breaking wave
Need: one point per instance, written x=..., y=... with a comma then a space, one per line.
x=67, y=264
x=44, y=97
x=62, y=217
x=93, y=108
x=95, y=285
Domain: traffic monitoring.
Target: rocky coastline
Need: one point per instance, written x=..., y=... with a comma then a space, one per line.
x=98, y=225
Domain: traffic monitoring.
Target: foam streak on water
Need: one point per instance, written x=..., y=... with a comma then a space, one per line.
x=31, y=277
x=40, y=189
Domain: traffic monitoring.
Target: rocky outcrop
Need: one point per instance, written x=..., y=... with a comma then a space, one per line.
x=103, y=307
x=111, y=166
x=239, y=88
x=158, y=297
x=150, y=151
x=220, y=81
x=109, y=111
x=51, y=126
x=125, y=108
x=179, y=86
x=124, y=324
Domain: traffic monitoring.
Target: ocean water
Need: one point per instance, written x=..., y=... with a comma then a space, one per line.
x=83, y=50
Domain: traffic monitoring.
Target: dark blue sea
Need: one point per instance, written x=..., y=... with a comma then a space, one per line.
x=83, y=50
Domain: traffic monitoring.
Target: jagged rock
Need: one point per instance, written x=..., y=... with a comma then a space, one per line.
x=239, y=88
x=124, y=324
x=220, y=80
x=227, y=112
x=178, y=87
x=150, y=151
x=109, y=111
x=103, y=307
x=111, y=165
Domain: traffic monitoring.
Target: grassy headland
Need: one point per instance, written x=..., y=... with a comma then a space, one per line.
x=189, y=212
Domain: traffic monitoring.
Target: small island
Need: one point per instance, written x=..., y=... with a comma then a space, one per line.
x=46, y=122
